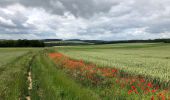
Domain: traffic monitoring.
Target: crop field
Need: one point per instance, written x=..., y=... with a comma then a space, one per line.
x=7, y=54
x=134, y=71
x=145, y=59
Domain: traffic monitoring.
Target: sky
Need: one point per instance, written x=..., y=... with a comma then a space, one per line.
x=84, y=19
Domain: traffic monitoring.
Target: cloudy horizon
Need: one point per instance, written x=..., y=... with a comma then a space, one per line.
x=84, y=19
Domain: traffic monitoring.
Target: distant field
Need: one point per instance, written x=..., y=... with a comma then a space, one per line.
x=65, y=43
x=9, y=54
x=149, y=59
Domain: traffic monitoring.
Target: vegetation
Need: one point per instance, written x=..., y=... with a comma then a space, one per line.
x=66, y=43
x=90, y=72
x=14, y=78
x=50, y=83
x=21, y=43
x=7, y=55
x=73, y=42
x=109, y=83
x=128, y=41
x=140, y=59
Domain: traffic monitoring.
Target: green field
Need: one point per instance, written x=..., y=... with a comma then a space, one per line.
x=66, y=43
x=145, y=59
x=54, y=79
x=7, y=54
x=14, y=64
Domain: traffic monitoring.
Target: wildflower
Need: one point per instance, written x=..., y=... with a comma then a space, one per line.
x=114, y=70
x=149, y=84
x=130, y=91
x=153, y=91
x=147, y=90
x=142, y=80
x=139, y=84
x=136, y=91
x=162, y=96
x=133, y=80
x=152, y=98
x=133, y=87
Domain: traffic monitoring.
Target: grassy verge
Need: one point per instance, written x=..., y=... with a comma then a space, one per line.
x=50, y=83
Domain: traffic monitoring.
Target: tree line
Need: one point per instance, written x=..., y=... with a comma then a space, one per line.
x=128, y=41
x=21, y=43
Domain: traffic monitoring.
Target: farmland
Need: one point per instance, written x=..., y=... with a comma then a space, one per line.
x=14, y=64
x=66, y=43
x=7, y=55
x=146, y=59
x=134, y=71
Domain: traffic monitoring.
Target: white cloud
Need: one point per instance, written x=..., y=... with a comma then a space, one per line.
x=90, y=19
x=6, y=22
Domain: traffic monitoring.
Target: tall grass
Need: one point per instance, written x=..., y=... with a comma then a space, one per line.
x=50, y=83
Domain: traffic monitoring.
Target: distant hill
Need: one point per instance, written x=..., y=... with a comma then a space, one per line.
x=47, y=40
x=66, y=43
x=69, y=42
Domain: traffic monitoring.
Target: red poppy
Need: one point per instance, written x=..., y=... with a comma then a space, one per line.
x=130, y=91
x=133, y=87
x=142, y=80
x=152, y=98
x=149, y=84
x=153, y=91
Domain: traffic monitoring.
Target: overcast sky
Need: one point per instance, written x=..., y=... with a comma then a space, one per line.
x=84, y=19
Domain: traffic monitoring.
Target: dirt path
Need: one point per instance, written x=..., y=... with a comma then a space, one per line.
x=30, y=80
x=30, y=85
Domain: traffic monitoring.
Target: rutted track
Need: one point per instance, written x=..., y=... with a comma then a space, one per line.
x=29, y=78
x=14, y=84
x=30, y=85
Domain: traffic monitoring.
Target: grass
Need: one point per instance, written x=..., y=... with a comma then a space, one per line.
x=14, y=79
x=9, y=54
x=150, y=60
x=13, y=72
x=50, y=83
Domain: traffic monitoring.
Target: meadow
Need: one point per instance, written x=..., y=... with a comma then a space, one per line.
x=130, y=71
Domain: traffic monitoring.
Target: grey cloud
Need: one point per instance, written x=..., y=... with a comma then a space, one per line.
x=79, y=8
x=107, y=19
x=161, y=27
x=6, y=23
